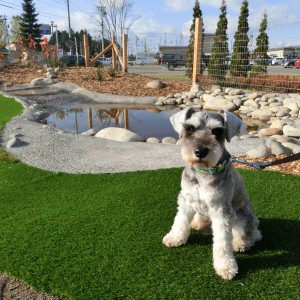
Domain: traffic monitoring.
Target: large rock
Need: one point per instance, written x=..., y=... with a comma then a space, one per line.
x=269, y=132
x=119, y=134
x=216, y=103
x=259, y=152
x=41, y=81
x=155, y=84
x=291, y=131
x=260, y=114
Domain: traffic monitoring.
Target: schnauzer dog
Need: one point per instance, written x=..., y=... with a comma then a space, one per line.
x=213, y=196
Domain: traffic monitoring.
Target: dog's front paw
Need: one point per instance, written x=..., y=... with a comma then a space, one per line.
x=227, y=271
x=173, y=241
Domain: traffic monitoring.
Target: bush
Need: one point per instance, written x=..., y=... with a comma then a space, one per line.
x=99, y=73
x=111, y=72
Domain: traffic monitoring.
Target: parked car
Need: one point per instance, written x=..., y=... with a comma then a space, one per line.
x=297, y=63
x=104, y=61
x=289, y=64
x=73, y=60
x=277, y=61
x=251, y=63
x=269, y=61
x=136, y=62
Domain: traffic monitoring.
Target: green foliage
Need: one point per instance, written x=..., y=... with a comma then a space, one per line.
x=111, y=72
x=197, y=13
x=29, y=28
x=240, y=57
x=261, y=51
x=99, y=72
x=15, y=28
x=217, y=66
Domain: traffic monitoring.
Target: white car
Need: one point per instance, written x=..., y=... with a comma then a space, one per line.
x=136, y=62
x=277, y=61
x=105, y=61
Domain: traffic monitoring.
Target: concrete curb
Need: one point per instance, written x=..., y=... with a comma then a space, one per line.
x=103, y=98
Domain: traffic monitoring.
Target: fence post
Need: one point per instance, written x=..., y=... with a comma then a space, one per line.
x=86, y=50
x=125, y=39
x=113, y=56
x=197, y=51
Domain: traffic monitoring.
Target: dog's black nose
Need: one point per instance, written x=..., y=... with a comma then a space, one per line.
x=201, y=152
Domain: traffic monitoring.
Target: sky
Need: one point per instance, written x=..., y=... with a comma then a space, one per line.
x=167, y=22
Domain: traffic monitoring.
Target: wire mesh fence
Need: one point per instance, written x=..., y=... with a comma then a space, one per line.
x=242, y=62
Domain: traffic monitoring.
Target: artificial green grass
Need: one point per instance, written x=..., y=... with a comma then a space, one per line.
x=8, y=109
x=88, y=236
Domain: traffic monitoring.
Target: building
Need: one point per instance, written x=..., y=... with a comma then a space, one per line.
x=208, y=41
x=291, y=51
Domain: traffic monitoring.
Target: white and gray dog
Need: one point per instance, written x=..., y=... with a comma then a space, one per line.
x=213, y=196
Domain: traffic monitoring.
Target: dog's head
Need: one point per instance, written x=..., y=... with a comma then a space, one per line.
x=204, y=134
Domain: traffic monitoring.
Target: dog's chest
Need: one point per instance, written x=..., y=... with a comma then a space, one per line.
x=200, y=193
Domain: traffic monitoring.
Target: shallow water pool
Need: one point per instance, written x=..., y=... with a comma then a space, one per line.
x=145, y=121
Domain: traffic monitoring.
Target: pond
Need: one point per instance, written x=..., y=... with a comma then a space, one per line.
x=145, y=121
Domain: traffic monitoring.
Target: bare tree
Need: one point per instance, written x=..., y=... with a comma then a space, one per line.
x=116, y=17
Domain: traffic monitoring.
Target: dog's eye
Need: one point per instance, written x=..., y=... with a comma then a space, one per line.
x=189, y=128
x=218, y=132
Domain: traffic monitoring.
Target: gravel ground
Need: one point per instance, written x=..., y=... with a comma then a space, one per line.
x=54, y=150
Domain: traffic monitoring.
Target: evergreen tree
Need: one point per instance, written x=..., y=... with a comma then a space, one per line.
x=261, y=50
x=197, y=13
x=29, y=28
x=217, y=66
x=240, y=56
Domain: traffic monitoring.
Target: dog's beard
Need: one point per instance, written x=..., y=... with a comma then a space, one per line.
x=209, y=161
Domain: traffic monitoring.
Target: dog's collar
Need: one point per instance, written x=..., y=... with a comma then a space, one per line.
x=213, y=171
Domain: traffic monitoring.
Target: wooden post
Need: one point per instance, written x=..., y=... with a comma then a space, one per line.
x=86, y=50
x=125, y=40
x=197, y=51
x=113, y=57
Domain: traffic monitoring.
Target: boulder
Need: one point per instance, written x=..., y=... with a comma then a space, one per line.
x=264, y=115
x=216, y=103
x=291, y=131
x=155, y=84
x=269, y=132
x=169, y=140
x=119, y=134
x=278, y=149
x=90, y=132
x=152, y=140
x=259, y=152
x=14, y=142
x=41, y=81
x=293, y=147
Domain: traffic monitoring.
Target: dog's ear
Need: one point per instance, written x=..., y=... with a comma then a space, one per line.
x=179, y=118
x=233, y=125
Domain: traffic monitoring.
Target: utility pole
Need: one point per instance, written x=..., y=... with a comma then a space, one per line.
x=103, y=14
x=56, y=36
x=69, y=21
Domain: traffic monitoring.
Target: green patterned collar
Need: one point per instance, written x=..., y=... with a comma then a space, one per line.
x=213, y=171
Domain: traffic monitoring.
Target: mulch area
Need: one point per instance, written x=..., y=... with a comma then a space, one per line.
x=122, y=84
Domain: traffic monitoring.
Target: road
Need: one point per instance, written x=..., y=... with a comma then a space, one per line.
x=162, y=70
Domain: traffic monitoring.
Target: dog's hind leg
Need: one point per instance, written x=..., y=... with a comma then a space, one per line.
x=180, y=230
x=245, y=229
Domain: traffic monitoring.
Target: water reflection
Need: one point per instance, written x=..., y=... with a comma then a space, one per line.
x=145, y=121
